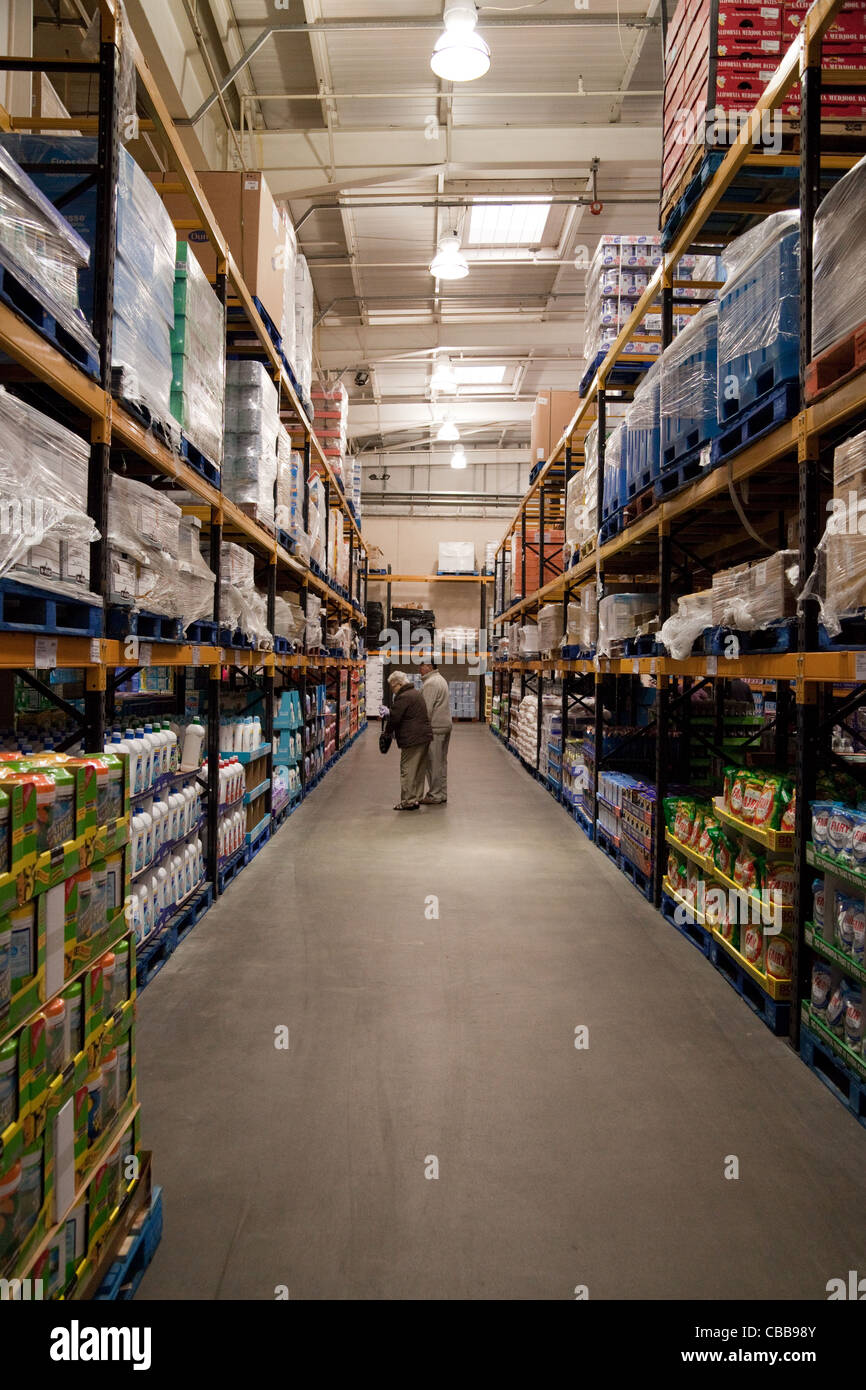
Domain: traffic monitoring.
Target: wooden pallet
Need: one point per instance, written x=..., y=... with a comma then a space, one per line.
x=836, y=364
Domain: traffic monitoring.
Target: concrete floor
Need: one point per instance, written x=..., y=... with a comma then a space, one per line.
x=412, y=1037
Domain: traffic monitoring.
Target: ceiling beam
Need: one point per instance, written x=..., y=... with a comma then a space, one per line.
x=291, y=158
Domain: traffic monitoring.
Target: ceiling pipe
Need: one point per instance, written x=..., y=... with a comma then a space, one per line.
x=354, y=26
x=433, y=95
x=579, y=200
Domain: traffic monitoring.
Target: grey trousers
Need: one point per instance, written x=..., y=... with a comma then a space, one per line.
x=437, y=766
x=412, y=764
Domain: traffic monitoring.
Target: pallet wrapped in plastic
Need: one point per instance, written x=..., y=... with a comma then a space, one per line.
x=289, y=251
x=620, y=616
x=618, y=274
x=288, y=512
x=144, y=530
x=680, y=631
x=316, y=521
x=456, y=557
x=589, y=520
x=313, y=622
x=288, y=620
x=614, y=471
x=839, y=261
x=250, y=449
x=42, y=250
x=529, y=639
x=196, y=580
x=304, y=311
x=749, y=597
x=839, y=578
x=197, y=356
x=759, y=313
x=688, y=415
x=587, y=626
x=550, y=629
x=43, y=491
x=642, y=453
x=573, y=516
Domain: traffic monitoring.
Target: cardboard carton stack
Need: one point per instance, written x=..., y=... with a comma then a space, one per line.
x=712, y=70
x=551, y=414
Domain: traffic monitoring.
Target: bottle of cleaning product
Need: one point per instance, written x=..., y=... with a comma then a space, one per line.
x=193, y=740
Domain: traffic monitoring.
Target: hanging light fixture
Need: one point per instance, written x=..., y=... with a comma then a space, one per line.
x=448, y=433
x=458, y=457
x=443, y=378
x=449, y=263
x=460, y=55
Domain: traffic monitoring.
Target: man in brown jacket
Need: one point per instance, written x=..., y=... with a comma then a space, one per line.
x=410, y=725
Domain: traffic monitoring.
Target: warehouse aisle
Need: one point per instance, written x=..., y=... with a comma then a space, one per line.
x=416, y=1040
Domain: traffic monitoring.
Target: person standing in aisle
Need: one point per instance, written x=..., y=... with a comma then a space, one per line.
x=410, y=726
x=437, y=698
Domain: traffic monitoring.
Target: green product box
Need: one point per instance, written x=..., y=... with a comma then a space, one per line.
x=33, y=1042
x=99, y=1206
x=93, y=1001
x=27, y=924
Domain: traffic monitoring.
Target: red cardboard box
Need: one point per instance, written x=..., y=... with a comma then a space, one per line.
x=745, y=45
x=750, y=16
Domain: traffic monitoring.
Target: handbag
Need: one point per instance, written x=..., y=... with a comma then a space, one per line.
x=385, y=741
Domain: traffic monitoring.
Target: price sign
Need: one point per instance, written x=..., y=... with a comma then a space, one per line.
x=46, y=653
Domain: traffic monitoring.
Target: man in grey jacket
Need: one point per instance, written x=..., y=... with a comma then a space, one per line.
x=438, y=701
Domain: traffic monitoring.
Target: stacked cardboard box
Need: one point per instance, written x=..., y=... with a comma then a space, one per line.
x=551, y=414
x=251, y=424
x=331, y=411
x=464, y=699
x=553, y=542
x=715, y=68
x=197, y=357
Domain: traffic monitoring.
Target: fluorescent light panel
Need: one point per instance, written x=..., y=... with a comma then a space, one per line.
x=507, y=224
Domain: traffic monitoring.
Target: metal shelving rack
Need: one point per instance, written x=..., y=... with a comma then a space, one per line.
x=112, y=429
x=446, y=658
x=699, y=527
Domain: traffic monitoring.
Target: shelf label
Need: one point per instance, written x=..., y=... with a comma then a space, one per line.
x=860, y=666
x=95, y=649
x=654, y=666
x=712, y=665
x=635, y=666
x=145, y=654
x=196, y=656
x=46, y=652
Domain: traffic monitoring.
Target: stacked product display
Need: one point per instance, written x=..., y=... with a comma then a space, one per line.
x=304, y=320
x=463, y=698
x=456, y=557
x=155, y=562
x=618, y=274
x=331, y=407
x=67, y=989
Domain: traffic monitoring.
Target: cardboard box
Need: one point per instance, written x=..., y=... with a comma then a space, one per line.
x=252, y=225
x=552, y=412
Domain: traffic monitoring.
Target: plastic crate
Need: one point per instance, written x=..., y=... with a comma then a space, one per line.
x=643, y=437
x=689, y=376
x=759, y=318
x=614, y=494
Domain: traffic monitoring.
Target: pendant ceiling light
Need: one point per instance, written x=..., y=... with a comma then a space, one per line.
x=449, y=263
x=458, y=457
x=448, y=433
x=443, y=378
x=460, y=55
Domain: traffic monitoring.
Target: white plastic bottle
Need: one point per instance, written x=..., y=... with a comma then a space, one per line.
x=257, y=739
x=241, y=831
x=148, y=836
x=139, y=842
x=135, y=914
x=155, y=828
x=165, y=903
x=193, y=740
x=191, y=817
x=199, y=861
x=146, y=911
x=173, y=747
x=136, y=771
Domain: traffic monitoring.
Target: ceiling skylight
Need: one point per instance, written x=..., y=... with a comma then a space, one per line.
x=507, y=224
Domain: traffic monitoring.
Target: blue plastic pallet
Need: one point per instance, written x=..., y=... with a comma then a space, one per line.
x=776, y=637
x=228, y=872
x=17, y=297
x=625, y=372
x=198, y=462
x=641, y=881
x=140, y=411
x=138, y=622
x=27, y=608
x=202, y=634
x=282, y=646
x=689, y=197
x=286, y=541
x=640, y=481
x=606, y=844
x=844, y=1083
x=273, y=332
x=610, y=528
x=583, y=819
x=685, y=471
x=774, y=1013
x=780, y=404
x=126, y=1273
x=692, y=931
